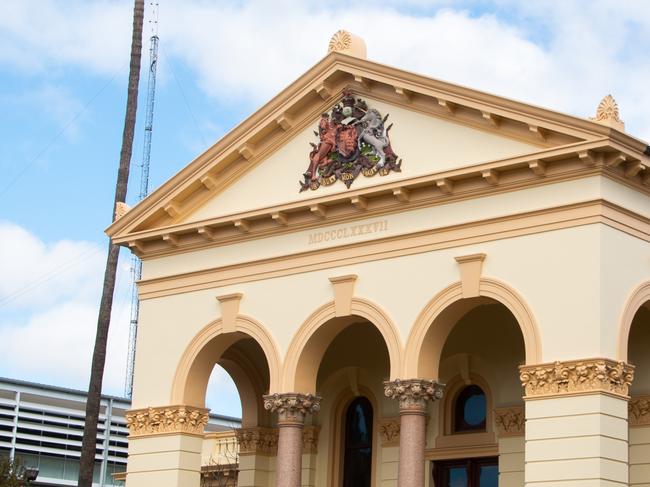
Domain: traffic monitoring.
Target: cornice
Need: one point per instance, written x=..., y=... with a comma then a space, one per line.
x=526, y=223
x=296, y=106
x=584, y=159
x=596, y=375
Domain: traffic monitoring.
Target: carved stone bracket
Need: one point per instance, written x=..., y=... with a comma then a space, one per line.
x=310, y=439
x=577, y=376
x=291, y=406
x=639, y=411
x=510, y=421
x=389, y=429
x=166, y=419
x=413, y=393
x=257, y=440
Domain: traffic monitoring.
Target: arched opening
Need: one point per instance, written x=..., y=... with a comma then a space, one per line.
x=349, y=377
x=638, y=354
x=308, y=346
x=212, y=364
x=639, y=351
x=479, y=361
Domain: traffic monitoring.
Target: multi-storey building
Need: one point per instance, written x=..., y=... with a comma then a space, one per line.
x=42, y=425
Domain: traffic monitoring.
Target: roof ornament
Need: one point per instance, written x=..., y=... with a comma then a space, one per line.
x=607, y=113
x=345, y=42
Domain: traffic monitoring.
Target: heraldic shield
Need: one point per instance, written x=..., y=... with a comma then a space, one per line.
x=353, y=140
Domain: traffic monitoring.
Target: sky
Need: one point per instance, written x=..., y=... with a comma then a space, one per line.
x=63, y=75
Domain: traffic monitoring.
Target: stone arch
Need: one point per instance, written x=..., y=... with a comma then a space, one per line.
x=317, y=332
x=638, y=297
x=208, y=347
x=438, y=317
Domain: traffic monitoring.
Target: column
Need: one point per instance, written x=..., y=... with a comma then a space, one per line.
x=165, y=445
x=412, y=395
x=291, y=408
x=576, y=423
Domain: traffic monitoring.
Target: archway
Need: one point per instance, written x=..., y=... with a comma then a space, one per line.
x=319, y=330
x=437, y=319
x=476, y=346
x=634, y=347
x=248, y=354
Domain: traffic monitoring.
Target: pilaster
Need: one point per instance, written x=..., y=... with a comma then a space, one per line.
x=165, y=445
x=576, y=423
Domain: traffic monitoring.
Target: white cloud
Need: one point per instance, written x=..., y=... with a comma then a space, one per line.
x=49, y=295
x=567, y=57
x=36, y=274
x=562, y=54
x=50, y=34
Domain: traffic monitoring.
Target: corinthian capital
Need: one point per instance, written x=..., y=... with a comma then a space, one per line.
x=292, y=406
x=577, y=376
x=413, y=393
x=166, y=419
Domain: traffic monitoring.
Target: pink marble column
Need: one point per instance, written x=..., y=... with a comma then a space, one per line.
x=412, y=395
x=292, y=409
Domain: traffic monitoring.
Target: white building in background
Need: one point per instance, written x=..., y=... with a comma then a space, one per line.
x=43, y=426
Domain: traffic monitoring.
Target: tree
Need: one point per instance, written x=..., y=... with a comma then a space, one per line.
x=12, y=473
x=221, y=471
x=88, y=448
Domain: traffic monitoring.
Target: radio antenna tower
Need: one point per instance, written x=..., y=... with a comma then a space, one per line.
x=136, y=263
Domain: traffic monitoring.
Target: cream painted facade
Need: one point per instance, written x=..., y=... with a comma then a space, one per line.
x=509, y=256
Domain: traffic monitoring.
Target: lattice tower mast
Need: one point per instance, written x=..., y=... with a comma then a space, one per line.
x=136, y=263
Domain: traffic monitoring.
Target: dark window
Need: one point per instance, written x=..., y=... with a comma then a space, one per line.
x=470, y=410
x=357, y=461
x=471, y=472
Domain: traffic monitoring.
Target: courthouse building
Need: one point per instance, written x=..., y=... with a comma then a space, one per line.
x=410, y=282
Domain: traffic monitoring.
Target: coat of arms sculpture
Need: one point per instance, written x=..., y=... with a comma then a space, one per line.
x=353, y=140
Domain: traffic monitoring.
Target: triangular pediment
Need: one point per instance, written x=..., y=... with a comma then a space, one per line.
x=437, y=128
x=423, y=144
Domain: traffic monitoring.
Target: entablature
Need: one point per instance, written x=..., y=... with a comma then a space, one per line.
x=599, y=157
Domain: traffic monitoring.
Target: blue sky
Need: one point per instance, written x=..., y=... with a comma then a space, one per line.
x=63, y=74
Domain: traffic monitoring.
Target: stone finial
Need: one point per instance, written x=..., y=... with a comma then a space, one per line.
x=413, y=393
x=347, y=43
x=607, y=113
x=121, y=209
x=292, y=407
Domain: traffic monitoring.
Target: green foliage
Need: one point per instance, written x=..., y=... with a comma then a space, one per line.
x=12, y=474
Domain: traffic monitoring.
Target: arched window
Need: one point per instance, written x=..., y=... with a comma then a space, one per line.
x=357, y=460
x=470, y=410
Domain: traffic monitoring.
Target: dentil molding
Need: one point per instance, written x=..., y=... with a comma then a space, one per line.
x=166, y=419
x=576, y=376
x=413, y=393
